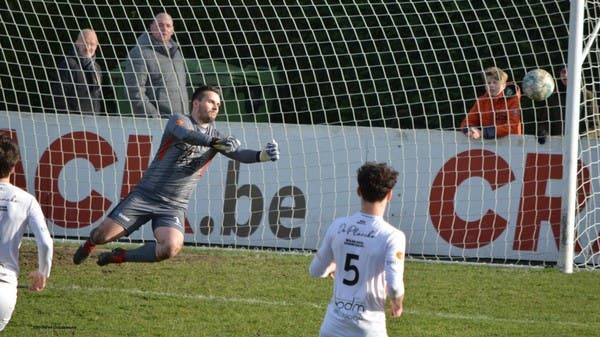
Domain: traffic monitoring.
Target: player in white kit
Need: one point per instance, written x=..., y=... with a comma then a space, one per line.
x=18, y=209
x=365, y=256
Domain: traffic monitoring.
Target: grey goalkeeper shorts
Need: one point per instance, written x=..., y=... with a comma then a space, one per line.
x=135, y=210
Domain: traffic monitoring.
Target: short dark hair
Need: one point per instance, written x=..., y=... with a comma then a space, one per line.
x=199, y=93
x=9, y=155
x=375, y=180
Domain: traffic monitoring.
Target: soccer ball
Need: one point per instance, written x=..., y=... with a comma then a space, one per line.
x=538, y=84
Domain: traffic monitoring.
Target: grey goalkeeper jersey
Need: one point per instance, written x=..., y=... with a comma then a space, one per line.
x=181, y=159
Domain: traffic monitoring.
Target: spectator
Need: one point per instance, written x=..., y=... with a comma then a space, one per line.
x=19, y=212
x=551, y=116
x=496, y=113
x=155, y=73
x=79, y=86
x=364, y=255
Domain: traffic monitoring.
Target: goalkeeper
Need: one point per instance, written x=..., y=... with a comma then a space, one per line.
x=188, y=145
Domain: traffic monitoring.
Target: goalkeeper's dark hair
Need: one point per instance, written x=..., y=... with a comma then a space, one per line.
x=9, y=155
x=201, y=91
x=375, y=180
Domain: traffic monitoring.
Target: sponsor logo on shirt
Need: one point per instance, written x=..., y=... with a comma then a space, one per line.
x=12, y=199
x=398, y=260
x=349, y=309
x=354, y=243
x=354, y=230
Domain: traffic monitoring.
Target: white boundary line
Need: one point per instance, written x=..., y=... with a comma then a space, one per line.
x=198, y=297
x=223, y=299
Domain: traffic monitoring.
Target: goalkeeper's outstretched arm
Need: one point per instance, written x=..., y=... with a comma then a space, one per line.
x=269, y=153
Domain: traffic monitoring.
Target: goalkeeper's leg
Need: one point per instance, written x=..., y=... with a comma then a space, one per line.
x=84, y=251
x=169, y=241
x=108, y=231
x=144, y=253
x=127, y=210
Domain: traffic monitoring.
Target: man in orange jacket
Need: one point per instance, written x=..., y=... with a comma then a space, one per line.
x=496, y=113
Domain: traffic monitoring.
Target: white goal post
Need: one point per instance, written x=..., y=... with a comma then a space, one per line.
x=336, y=84
x=576, y=56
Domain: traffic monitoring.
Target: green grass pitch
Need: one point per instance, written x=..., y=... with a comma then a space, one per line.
x=222, y=292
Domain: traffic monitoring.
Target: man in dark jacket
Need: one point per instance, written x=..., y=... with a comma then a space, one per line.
x=551, y=116
x=79, y=86
x=155, y=73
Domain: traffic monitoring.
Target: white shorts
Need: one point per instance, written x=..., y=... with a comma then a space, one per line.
x=8, y=299
x=334, y=326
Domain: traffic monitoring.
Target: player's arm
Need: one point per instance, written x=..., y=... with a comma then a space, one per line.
x=396, y=306
x=471, y=124
x=37, y=224
x=180, y=126
x=394, y=272
x=269, y=153
x=321, y=266
x=323, y=263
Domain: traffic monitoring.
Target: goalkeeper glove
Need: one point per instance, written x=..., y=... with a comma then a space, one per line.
x=270, y=152
x=227, y=144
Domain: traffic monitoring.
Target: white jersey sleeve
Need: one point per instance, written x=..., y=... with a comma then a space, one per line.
x=37, y=224
x=394, y=264
x=323, y=263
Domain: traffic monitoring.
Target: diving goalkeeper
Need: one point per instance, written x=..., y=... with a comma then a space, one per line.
x=161, y=197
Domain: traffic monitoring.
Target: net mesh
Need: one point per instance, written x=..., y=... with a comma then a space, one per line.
x=336, y=83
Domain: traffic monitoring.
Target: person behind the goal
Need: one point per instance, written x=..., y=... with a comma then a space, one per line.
x=365, y=256
x=187, y=146
x=496, y=113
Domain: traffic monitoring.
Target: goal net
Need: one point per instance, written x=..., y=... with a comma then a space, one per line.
x=335, y=84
